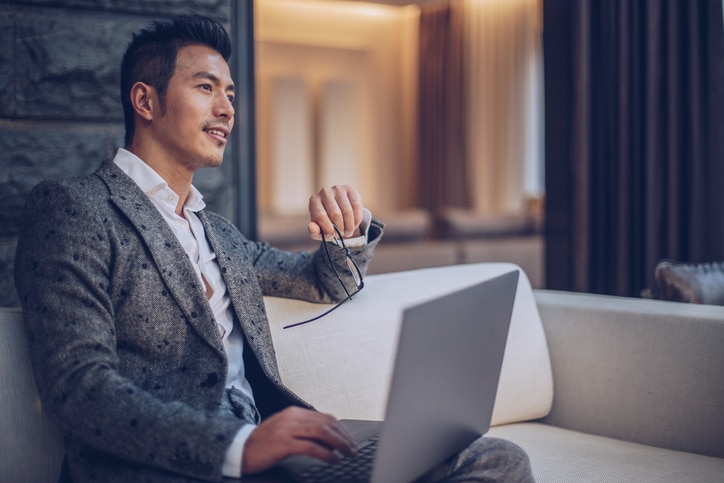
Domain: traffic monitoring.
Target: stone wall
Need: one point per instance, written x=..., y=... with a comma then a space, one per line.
x=61, y=115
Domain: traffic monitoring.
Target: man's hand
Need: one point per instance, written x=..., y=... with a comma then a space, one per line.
x=341, y=205
x=296, y=431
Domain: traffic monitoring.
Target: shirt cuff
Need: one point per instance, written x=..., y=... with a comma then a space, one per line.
x=234, y=454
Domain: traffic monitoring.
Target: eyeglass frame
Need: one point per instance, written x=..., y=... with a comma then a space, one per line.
x=351, y=266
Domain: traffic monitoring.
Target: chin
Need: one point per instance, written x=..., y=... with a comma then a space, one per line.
x=211, y=161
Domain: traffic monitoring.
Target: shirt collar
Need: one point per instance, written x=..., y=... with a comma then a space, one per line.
x=151, y=182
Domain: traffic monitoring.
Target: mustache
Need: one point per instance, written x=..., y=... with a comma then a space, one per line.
x=214, y=124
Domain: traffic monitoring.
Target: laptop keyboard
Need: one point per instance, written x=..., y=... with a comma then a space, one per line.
x=355, y=469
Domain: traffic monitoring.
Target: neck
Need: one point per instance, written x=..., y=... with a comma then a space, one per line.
x=177, y=176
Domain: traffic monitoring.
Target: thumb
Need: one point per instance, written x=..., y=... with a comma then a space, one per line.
x=314, y=230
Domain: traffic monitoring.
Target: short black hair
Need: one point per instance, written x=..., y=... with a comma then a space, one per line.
x=151, y=55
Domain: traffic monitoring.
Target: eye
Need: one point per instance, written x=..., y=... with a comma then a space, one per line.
x=206, y=87
x=231, y=98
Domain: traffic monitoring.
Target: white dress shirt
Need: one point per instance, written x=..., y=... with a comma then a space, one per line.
x=190, y=233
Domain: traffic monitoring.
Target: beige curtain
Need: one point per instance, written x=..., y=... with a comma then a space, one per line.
x=504, y=102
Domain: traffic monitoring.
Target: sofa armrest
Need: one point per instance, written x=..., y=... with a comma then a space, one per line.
x=645, y=371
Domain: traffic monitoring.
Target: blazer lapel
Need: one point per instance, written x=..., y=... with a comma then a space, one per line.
x=246, y=298
x=171, y=261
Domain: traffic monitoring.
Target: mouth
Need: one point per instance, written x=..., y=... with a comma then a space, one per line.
x=218, y=133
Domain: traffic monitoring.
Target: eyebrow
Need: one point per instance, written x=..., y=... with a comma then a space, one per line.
x=213, y=78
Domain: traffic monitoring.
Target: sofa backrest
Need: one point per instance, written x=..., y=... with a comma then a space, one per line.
x=31, y=447
x=342, y=362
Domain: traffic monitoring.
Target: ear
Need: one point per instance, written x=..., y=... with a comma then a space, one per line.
x=144, y=99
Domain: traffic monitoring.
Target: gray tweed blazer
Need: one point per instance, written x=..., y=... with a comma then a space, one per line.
x=125, y=349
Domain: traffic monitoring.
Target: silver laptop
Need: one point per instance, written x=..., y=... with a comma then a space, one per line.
x=443, y=389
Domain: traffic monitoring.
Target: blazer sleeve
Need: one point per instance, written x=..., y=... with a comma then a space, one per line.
x=299, y=275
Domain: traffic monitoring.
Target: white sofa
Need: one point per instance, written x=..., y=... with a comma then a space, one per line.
x=594, y=388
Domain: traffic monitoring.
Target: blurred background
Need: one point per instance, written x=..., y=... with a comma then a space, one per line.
x=580, y=139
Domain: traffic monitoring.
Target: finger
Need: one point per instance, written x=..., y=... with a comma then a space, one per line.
x=355, y=200
x=326, y=430
x=341, y=205
x=350, y=206
x=314, y=230
x=315, y=450
x=343, y=432
x=319, y=207
x=338, y=437
x=334, y=443
x=350, y=445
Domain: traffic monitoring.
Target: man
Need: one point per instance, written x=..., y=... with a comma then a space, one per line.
x=144, y=312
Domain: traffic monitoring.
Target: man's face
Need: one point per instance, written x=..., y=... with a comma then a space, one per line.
x=198, y=113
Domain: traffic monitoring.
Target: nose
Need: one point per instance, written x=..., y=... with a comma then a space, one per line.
x=223, y=107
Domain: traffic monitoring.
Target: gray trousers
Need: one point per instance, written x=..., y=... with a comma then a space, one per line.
x=485, y=460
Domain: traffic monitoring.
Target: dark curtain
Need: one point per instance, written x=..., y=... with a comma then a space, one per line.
x=634, y=129
x=441, y=118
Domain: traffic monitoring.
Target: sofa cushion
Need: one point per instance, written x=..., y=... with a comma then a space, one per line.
x=342, y=363
x=461, y=223
x=526, y=251
x=405, y=225
x=697, y=283
x=559, y=455
x=397, y=257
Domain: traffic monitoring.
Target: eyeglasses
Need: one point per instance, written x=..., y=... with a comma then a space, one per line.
x=351, y=266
